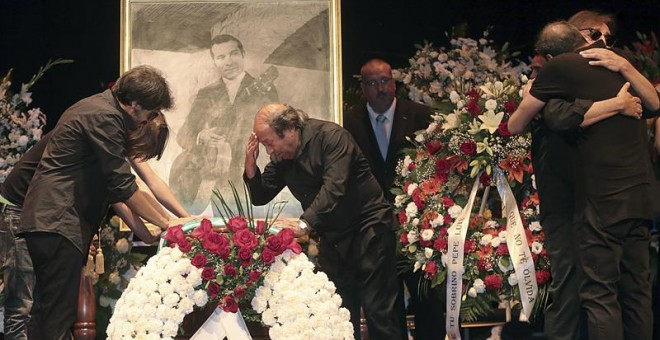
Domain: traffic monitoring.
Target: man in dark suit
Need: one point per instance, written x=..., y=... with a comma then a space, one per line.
x=612, y=184
x=401, y=119
x=220, y=117
x=342, y=201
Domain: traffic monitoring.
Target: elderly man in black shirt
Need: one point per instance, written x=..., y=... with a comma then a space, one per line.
x=342, y=201
x=612, y=184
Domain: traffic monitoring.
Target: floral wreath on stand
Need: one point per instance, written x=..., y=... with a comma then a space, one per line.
x=225, y=267
x=472, y=144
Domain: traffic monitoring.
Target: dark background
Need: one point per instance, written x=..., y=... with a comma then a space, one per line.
x=34, y=31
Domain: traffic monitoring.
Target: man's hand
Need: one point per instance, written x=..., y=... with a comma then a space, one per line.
x=181, y=220
x=527, y=87
x=292, y=224
x=606, y=58
x=251, y=155
x=631, y=106
x=657, y=136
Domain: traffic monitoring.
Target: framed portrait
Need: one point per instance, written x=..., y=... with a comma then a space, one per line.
x=223, y=61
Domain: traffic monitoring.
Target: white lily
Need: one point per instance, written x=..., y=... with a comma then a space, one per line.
x=451, y=121
x=483, y=146
x=491, y=121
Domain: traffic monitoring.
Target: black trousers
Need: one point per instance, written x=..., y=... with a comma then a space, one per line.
x=562, y=315
x=616, y=293
x=429, y=310
x=366, y=279
x=57, y=265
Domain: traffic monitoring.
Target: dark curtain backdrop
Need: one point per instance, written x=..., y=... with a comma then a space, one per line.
x=33, y=31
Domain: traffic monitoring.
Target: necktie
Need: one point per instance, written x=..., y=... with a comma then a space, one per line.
x=381, y=134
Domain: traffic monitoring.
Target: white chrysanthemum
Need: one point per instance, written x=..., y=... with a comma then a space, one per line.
x=479, y=285
x=486, y=239
x=513, y=280
x=502, y=236
x=495, y=242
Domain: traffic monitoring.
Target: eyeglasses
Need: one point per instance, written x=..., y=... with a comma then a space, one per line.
x=375, y=83
x=595, y=34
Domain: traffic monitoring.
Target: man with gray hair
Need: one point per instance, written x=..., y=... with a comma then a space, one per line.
x=326, y=171
x=611, y=182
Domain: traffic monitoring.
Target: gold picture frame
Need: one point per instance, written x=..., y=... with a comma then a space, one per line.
x=289, y=47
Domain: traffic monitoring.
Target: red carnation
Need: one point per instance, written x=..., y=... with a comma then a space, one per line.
x=433, y=146
x=403, y=218
x=208, y=273
x=431, y=269
x=473, y=108
x=230, y=270
x=469, y=148
x=509, y=107
x=229, y=305
x=237, y=223
x=470, y=246
x=199, y=260
x=442, y=166
x=484, y=265
x=440, y=244
x=404, y=238
x=493, y=282
x=447, y=219
x=447, y=202
x=503, y=129
x=543, y=276
x=503, y=249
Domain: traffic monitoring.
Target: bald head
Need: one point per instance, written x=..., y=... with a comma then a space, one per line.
x=557, y=38
x=377, y=84
x=280, y=117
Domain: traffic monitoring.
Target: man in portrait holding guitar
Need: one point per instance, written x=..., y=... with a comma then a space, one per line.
x=221, y=114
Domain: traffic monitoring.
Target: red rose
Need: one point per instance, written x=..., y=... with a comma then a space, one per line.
x=274, y=243
x=214, y=241
x=254, y=275
x=208, y=273
x=493, y=282
x=543, y=276
x=418, y=200
x=224, y=252
x=213, y=289
x=447, y=202
x=411, y=166
x=229, y=305
x=503, y=129
x=444, y=231
x=184, y=245
x=239, y=291
x=447, y=219
x=230, y=270
x=440, y=244
x=433, y=146
x=204, y=229
x=442, y=166
x=268, y=256
x=237, y=223
x=199, y=260
x=287, y=236
x=502, y=249
x=473, y=108
x=469, y=148
x=509, y=107
x=404, y=239
x=174, y=234
x=245, y=254
x=261, y=227
x=244, y=238
x=431, y=269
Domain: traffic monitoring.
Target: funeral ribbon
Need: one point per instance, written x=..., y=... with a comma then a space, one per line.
x=518, y=250
x=455, y=269
x=516, y=241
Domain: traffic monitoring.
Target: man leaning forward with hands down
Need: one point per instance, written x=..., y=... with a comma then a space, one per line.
x=325, y=170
